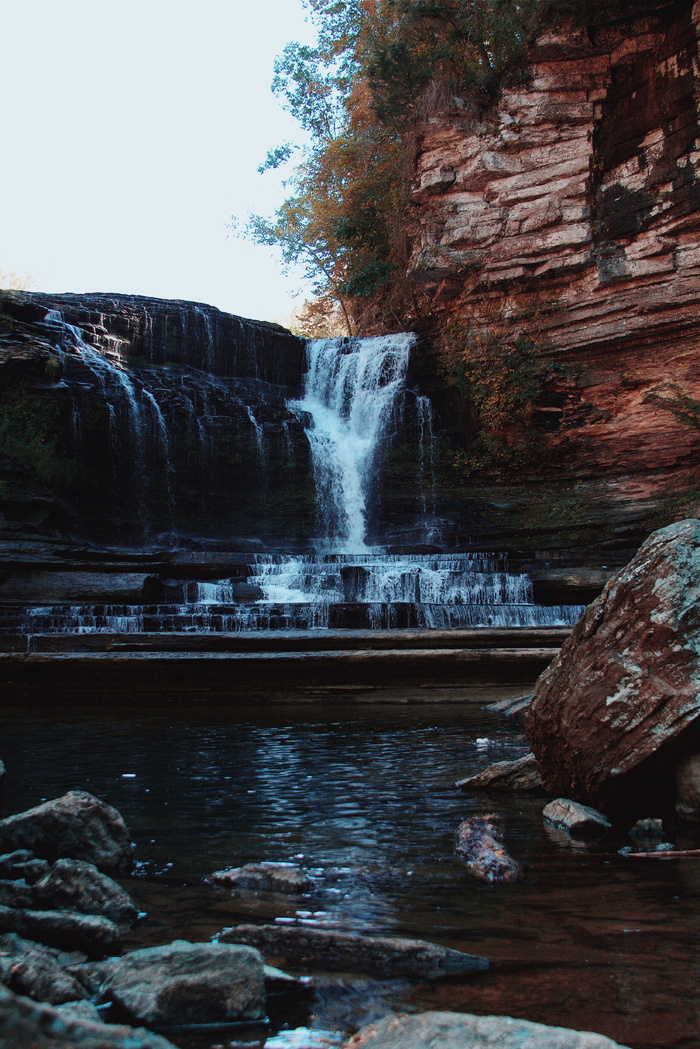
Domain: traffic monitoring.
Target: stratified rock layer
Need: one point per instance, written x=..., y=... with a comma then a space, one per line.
x=569, y=213
x=627, y=681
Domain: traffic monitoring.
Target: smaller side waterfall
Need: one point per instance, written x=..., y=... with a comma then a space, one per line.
x=350, y=390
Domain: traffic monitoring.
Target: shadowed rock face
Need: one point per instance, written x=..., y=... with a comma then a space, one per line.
x=624, y=689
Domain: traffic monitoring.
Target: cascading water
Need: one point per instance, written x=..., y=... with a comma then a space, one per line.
x=351, y=387
x=352, y=390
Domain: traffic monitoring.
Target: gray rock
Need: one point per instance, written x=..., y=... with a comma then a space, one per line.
x=15, y=894
x=80, y=1011
x=271, y=877
x=647, y=831
x=77, y=825
x=25, y=1024
x=480, y=843
x=22, y=863
x=91, y=933
x=184, y=983
x=443, y=1030
x=78, y=886
x=580, y=821
x=34, y=971
x=519, y=775
x=308, y=948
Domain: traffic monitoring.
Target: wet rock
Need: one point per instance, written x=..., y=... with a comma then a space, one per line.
x=648, y=831
x=33, y=970
x=519, y=775
x=80, y=1011
x=78, y=886
x=15, y=894
x=77, y=825
x=271, y=877
x=23, y=864
x=308, y=948
x=446, y=1030
x=95, y=935
x=279, y=982
x=184, y=983
x=580, y=821
x=25, y=1024
x=92, y=975
x=514, y=705
x=688, y=788
x=627, y=681
x=480, y=843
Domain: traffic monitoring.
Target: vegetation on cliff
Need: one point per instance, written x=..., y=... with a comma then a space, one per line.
x=379, y=68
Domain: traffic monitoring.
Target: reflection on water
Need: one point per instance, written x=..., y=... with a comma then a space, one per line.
x=363, y=798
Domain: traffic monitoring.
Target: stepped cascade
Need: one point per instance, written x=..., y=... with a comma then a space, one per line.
x=286, y=447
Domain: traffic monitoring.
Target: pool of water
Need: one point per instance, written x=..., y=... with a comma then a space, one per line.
x=363, y=798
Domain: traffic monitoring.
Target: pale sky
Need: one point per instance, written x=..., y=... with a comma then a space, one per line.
x=131, y=132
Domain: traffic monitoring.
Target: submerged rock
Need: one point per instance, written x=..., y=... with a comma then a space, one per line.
x=522, y=774
x=78, y=886
x=580, y=821
x=480, y=843
x=25, y=1024
x=23, y=864
x=186, y=983
x=627, y=681
x=271, y=877
x=15, y=894
x=77, y=825
x=307, y=948
x=443, y=1030
x=647, y=831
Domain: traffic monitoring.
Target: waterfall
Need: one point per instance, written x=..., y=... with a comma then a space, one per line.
x=350, y=390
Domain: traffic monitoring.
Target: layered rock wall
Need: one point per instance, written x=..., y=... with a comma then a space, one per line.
x=570, y=214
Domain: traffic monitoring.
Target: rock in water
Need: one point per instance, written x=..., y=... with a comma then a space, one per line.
x=463, y=1031
x=77, y=825
x=307, y=948
x=580, y=821
x=519, y=775
x=627, y=680
x=25, y=1024
x=480, y=842
x=78, y=886
x=189, y=983
x=270, y=877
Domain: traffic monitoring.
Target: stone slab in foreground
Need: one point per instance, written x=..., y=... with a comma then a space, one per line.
x=463, y=1031
x=306, y=948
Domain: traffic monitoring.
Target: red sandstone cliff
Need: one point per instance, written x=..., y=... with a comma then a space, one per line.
x=571, y=212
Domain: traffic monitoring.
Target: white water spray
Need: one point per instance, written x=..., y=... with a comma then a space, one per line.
x=350, y=390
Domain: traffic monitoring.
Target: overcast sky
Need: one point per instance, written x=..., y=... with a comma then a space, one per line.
x=131, y=132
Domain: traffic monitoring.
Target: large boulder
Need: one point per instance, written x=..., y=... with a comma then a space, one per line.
x=465, y=1031
x=25, y=1024
x=189, y=983
x=626, y=683
x=77, y=825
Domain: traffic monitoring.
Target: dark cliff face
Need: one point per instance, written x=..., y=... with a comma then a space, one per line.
x=135, y=420
x=568, y=215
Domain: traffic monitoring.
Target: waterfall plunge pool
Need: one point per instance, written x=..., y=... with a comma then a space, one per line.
x=364, y=799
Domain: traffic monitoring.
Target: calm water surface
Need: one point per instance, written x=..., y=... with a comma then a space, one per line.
x=364, y=799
